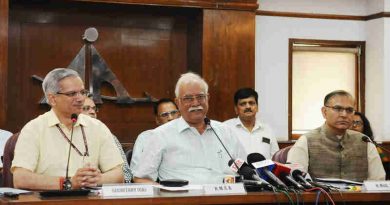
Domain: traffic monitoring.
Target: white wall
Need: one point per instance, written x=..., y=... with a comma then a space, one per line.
x=272, y=35
x=375, y=70
x=375, y=6
x=386, y=88
x=341, y=7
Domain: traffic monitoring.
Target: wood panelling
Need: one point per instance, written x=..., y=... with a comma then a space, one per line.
x=378, y=15
x=228, y=57
x=147, y=47
x=323, y=16
x=250, y=5
x=309, y=15
x=3, y=60
x=144, y=50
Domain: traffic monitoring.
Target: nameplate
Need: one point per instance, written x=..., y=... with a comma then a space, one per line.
x=376, y=185
x=121, y=190
x=224, y=189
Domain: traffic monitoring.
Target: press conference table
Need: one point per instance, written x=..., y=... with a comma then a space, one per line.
x=197, y=197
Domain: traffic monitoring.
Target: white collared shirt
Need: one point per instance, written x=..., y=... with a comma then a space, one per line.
x=4, y=136
x=42, y=149
x=178, y=151
x=138, y=147
x=260, y=140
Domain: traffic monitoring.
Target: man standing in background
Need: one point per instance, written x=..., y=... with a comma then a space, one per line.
x=256, y=137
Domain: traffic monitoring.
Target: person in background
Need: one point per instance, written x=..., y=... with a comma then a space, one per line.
x=4, y=136
x=334, y=151
x=361, y=124
x=256, y=137
x=41, y=152
x=89, y=108
x=187, y=148
x=165, y=110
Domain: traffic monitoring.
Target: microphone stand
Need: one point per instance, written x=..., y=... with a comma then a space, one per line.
x=67, y=185
x=367, y=139
x=207, y=122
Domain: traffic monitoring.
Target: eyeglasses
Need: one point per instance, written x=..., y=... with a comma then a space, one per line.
x=87, y=108
x=75, y=93
x=166, y=114
x=339, y=109
x=357, y=123
x=191, y=98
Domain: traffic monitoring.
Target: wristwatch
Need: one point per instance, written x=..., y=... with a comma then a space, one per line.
x=67, y=184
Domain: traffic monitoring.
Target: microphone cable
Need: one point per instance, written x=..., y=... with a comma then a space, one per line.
x=322, y=191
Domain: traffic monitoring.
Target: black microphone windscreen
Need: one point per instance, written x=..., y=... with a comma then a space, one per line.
x=296, y=172
x=73, y=117
x=247, y=172
x=255, y=157
x=207, y=121
x=366, y=139
x=230, y=162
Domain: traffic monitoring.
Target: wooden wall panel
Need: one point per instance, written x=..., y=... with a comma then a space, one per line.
x=228, y=57
x=147, y=47
x=3, y=61
x=144, y=50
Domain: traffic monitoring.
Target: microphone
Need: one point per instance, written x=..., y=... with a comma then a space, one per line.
x=265, y=170
x=67, y=184
x=298, y=176
x=288, y=179
x=207, y=122
x=281, y=171
x=284, y=173
x=245, y=171
x=249, y=175
x=367, y=139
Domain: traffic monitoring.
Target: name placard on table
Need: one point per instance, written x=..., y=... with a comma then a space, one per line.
x=376, y=186
x=224, y=189
x=121, y=190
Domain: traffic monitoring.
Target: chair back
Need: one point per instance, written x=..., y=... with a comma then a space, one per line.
x=8, y=156
x=281, y=155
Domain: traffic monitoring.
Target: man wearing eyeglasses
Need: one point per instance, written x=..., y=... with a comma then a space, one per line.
x=41, y=152
x=89, y=108
x=186, y=148
x=165, y=110
x=333, y=151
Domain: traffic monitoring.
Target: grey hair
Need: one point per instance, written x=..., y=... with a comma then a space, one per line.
x=50, y=83
x=190, y=77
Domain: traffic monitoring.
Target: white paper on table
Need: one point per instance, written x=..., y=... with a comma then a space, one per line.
x=182, y=188
x=16, y=191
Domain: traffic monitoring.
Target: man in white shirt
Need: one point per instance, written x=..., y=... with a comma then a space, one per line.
x=187, y=148
x=333, y=151
x=4, y=136
x=165, y=110
x=256, y=137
